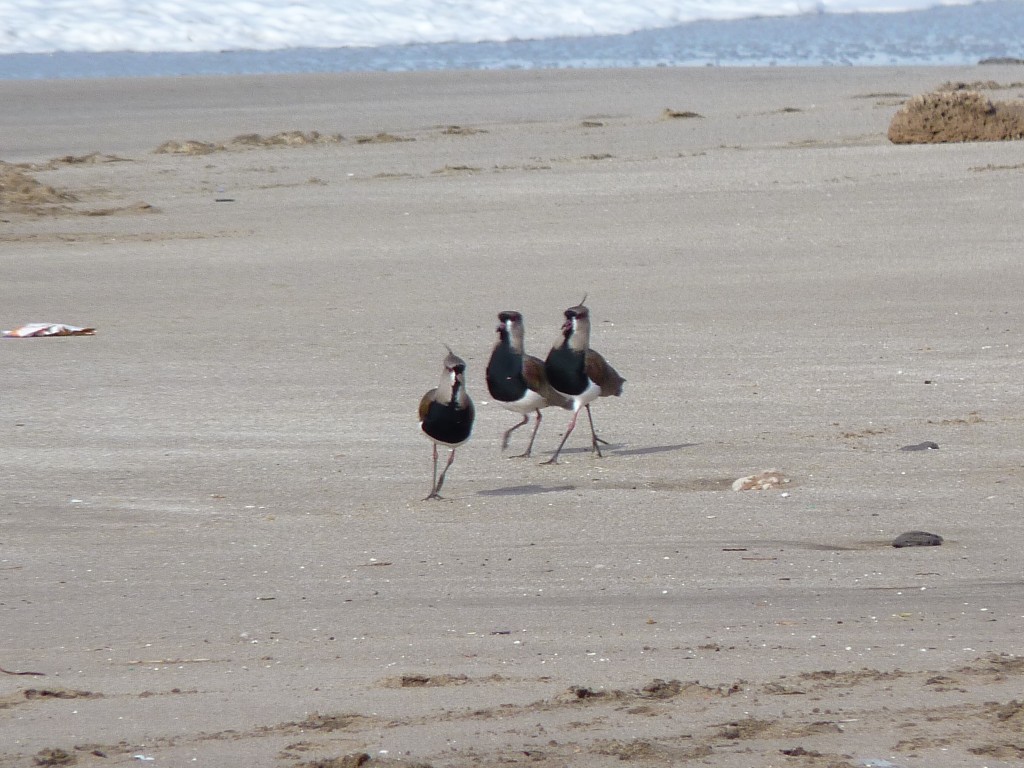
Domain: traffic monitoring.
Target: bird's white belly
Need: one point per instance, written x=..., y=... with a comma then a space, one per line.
x=587, y=396
x=528, y=403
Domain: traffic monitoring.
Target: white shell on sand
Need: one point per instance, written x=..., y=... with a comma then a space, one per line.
x=762, y=481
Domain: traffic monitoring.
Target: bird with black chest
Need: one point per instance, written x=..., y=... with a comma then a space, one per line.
x=446, y=415
x=580, y=373
x=517, y=381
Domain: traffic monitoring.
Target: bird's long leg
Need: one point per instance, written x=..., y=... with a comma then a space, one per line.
x=440, y=480
x=594, y=439
x=572, y=425
x=508, y=433
x=529, y=448
x=434, y=487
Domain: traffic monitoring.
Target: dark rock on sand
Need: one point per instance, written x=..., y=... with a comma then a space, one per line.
x=927, y=445
x=917, y=539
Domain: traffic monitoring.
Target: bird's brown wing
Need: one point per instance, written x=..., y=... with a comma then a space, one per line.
x=537, y=380
x=425, y=402
x=601, y=373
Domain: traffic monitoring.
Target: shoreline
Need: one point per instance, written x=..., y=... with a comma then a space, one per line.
x=861, y=38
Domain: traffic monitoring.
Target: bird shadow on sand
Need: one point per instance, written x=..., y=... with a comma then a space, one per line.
x=526, y=490
x=784, y=544
x=620, y=449
x=616, y=451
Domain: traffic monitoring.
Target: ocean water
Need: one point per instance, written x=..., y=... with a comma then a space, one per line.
x=123, y=38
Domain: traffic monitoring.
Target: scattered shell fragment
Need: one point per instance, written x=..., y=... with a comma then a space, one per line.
x=762, y=481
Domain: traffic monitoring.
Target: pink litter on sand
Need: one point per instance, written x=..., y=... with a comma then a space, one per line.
x=48, y=329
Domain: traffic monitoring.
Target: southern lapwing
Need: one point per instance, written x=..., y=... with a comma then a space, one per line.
x=517, y=380
x=446, y=415
x=580, y=373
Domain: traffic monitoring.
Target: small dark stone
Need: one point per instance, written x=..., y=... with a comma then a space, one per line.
x=53, y=756
x=800, y=752
x=917, y=539
x=927, y=445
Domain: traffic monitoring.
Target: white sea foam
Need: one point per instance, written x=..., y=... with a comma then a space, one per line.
x=46, y=26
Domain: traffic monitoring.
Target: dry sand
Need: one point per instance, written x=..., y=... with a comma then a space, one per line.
x=212, y=544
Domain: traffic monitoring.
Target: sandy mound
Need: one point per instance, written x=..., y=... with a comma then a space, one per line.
x=246, y=140
x=956, y=116
x=21, y=192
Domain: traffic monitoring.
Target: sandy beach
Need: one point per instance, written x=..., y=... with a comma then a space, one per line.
x=213, y=545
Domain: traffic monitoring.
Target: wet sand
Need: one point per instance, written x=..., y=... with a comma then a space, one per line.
x=213, y=548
